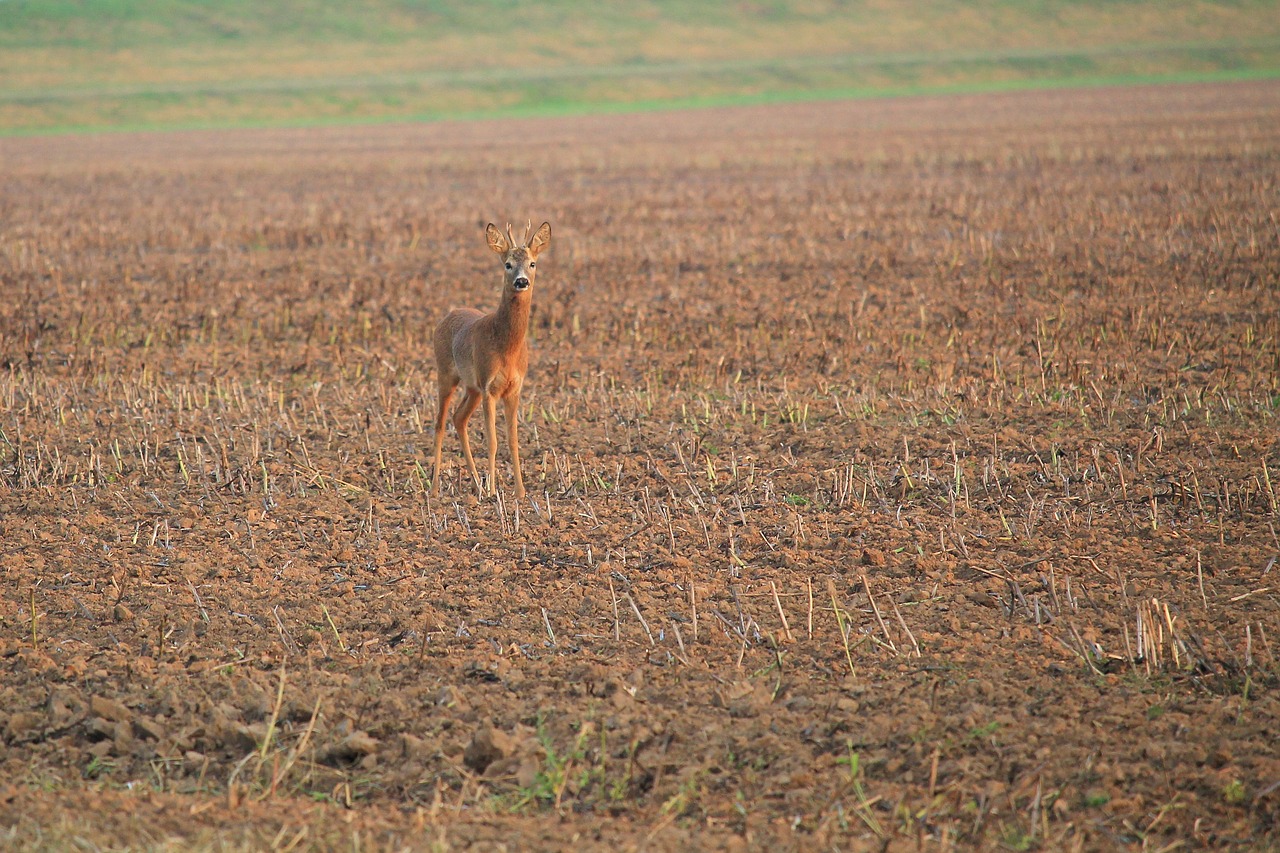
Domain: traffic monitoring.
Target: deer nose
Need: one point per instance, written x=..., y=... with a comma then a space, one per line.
x=520, y=283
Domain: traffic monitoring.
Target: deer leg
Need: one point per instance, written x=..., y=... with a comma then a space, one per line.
x=446, y=393
x=468, y=405
x=491, y=433
x=513, y=439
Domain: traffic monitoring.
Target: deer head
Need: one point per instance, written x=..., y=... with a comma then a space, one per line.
x=519, y=258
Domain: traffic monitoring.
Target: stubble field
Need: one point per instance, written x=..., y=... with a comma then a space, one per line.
x=903, y=475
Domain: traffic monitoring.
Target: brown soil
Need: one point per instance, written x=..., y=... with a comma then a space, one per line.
x=903, y=474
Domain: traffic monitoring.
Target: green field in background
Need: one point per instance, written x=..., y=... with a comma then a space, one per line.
x=99, y=64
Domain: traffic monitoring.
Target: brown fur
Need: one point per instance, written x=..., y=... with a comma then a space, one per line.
x=488, y=355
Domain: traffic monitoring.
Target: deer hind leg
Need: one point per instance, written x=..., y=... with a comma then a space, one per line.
x=442, y=413
x=470, y=400
x=512, y=403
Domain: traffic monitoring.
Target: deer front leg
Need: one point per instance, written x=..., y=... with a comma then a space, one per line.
x=491, y=432
x=468, y=405
x=513, y=439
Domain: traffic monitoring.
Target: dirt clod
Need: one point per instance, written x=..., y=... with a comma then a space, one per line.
x=487, y=746
x=110, y=709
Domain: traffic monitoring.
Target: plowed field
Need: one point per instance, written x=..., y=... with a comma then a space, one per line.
x=902, y=475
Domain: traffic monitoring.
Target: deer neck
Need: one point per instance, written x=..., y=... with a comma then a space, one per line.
x=511, y=320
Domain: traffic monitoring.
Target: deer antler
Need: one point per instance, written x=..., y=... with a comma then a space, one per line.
x=528, y=226
x=510, y=238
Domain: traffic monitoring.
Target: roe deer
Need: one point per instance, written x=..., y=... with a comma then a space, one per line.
x=488, y=354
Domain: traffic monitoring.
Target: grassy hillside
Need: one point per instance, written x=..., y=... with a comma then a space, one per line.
x=112, y=63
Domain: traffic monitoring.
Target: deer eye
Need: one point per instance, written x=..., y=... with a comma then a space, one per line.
x=508, y=266
x=532, y=265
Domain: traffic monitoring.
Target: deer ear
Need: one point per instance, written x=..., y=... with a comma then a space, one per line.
x=497, y=241
x=541, y=238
